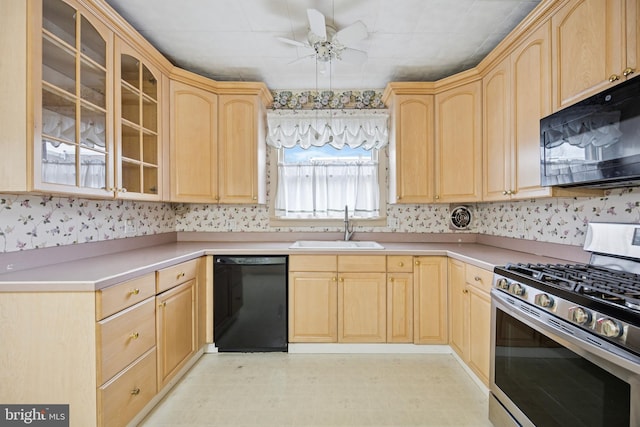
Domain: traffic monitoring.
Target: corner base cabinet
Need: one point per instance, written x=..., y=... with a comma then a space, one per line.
x=108, y=353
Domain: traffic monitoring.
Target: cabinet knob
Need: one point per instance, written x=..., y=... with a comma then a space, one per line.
x=613, y=78
x=255, y=197
x=134, y=336
x=180, y=275
x=135, y=291
x=477, y=279
x=333, y=279
x=342, y=279
x=466, y=291
x=437, y=197
x=504, y=193
x=162, y=304
x=401, y=264
x=417, y=262
x=628, y=71
x=392, y=280
x=135, y=391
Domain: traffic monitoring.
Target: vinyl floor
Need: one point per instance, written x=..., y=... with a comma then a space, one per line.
x=323, y=390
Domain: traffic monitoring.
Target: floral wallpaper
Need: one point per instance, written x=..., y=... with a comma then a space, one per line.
x=29, y=222
x=313, y=99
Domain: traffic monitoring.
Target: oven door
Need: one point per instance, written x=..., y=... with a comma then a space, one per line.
x=547, y=372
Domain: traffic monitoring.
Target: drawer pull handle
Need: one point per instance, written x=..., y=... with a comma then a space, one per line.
x=135, y=291
x=135, y=391
x=478, y=279
x=134, y=336
x=180, y=276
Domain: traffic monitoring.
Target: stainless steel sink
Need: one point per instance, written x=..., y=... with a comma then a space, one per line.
x=329, y=245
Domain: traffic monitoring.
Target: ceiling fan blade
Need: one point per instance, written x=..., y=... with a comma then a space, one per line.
x=351, y=34
x=353, y=56
x=317, y=24
x=302, y=58
x=292, y=42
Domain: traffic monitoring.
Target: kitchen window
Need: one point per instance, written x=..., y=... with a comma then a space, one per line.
x=327, y=160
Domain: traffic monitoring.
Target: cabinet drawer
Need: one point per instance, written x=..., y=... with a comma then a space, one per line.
x=362, y=263
x=118, y=297
x=313, y=263
x=123, y=397
x=124, y=337
x=478, y=277
x=400, y=263
x=172, y=276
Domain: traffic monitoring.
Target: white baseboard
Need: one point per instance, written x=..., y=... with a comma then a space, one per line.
x=210, y=348
x=369, y=348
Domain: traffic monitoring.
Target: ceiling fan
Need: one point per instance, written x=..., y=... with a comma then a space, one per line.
x=329, y=43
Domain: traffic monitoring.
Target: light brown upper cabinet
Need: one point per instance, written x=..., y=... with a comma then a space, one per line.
x=57, y=72
x=193, y=144
x=241, y=149
x=138, y=122
x=217, y=147
x=458, y=144
x=592, y=47
x=411, y=146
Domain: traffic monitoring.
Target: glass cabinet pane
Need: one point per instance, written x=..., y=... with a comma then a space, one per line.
x=58, y=116
x=150, y=114
x=58, y=162
x=59, y=19
x=150, y=180
x=131, y=177
x=149, y=83
x=130, y=105
x=93, y=83
x=93, y=168
x=58, y=65
x=130, y=143
x=150, y=148
x=130, y=70
x=92, y=43
x=93, y=128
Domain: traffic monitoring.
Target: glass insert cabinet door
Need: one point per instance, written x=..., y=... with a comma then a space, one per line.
x=137, y=125
x=76, y=149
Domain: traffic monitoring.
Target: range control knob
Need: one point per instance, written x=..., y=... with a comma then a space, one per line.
x=544, y=300
x=517, y=289
x=502, y=284
x=580, y=316
x=610, y=328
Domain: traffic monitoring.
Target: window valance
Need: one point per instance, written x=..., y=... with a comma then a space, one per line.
x=355, y=128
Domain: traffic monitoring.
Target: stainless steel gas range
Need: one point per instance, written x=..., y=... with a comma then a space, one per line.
x=565, y=342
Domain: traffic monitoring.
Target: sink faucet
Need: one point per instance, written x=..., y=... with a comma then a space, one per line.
x=348, y=229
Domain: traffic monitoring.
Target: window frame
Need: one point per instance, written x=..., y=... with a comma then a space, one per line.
x=275, y=154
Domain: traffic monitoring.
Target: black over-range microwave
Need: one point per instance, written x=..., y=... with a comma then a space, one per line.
x=594, y=143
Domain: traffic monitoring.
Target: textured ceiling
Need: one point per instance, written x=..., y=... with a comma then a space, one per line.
x=408, y=40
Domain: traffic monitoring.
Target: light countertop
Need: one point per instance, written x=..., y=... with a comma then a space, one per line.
x=90, y=274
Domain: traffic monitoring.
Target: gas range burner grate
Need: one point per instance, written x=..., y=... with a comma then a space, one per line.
x=603, y=284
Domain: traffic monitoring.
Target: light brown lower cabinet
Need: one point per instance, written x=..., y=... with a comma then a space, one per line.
x=313, y=307
x=470, y=315
x=362, y=307
x=430, y=300
x=400, y=298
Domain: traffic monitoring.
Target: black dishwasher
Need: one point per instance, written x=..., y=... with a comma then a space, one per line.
x=250, y=303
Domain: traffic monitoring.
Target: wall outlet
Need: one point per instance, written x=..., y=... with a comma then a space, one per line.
x=129, y=227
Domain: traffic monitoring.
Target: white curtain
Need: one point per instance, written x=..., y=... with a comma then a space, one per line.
x=306, y=128
x=323, y=190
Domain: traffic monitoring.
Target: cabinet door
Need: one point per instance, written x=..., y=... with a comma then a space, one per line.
x=589, y=49
x=479, y=351
x=313, y=309
x=239, y=143
x=138, y=124
x=362, y=307
x=411, y=149
x=73, y=104
x=176, y=328
x=459, y=144
x=497, y=159
x=531, y=89
x=193, y=144
x=400, y=307
x=430, y=300
x=458, y=309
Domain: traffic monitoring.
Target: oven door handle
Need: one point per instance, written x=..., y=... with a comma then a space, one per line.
x=604, y=354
